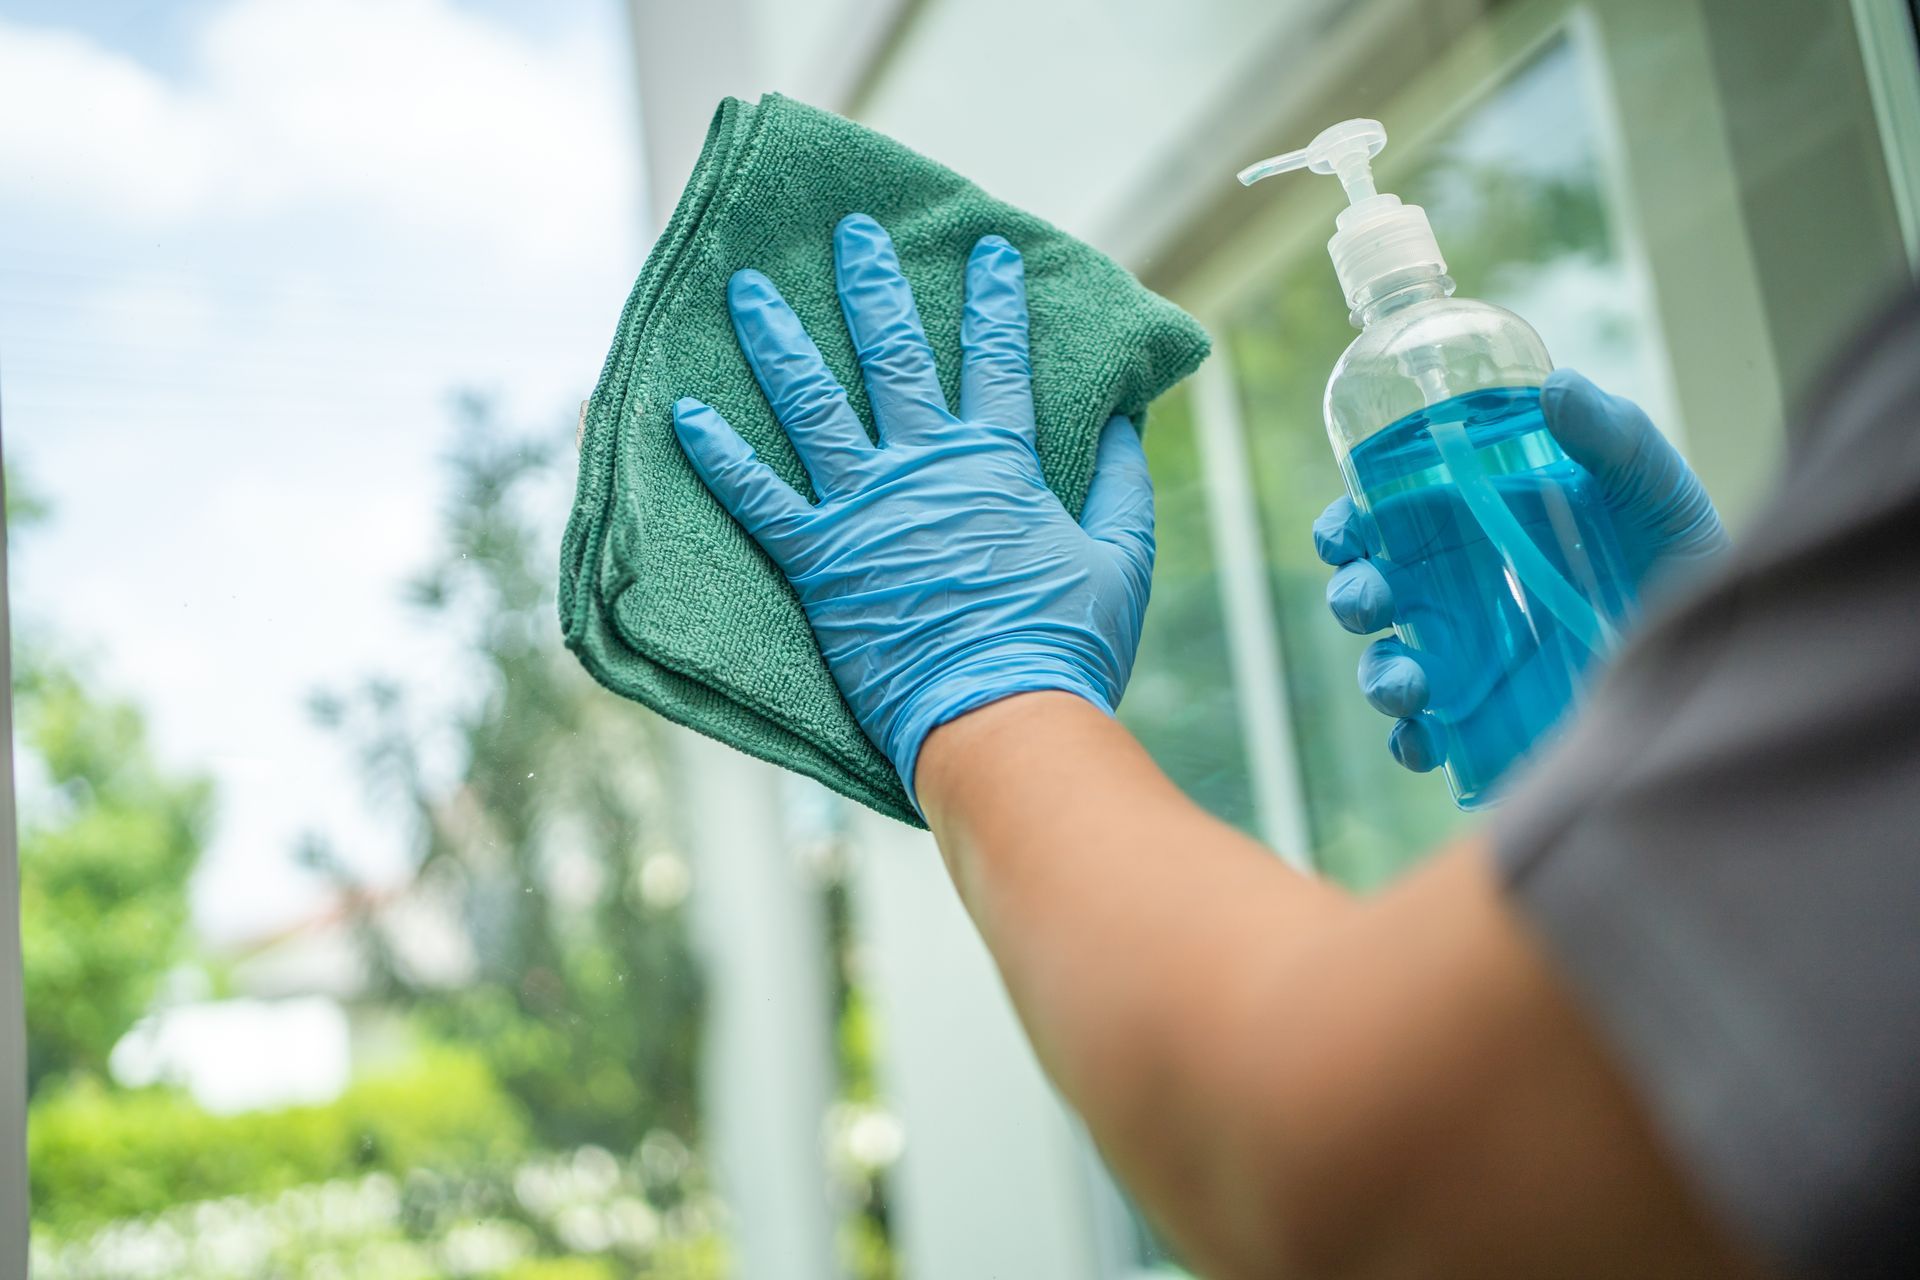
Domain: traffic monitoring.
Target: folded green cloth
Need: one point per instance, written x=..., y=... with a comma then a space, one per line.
x=662, y=596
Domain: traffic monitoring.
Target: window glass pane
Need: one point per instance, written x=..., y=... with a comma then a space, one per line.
x=354, y=926
x=1182, y=703
x=1517, y=192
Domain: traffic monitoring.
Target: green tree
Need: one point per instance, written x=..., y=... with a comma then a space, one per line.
x=548, y=828
x=108, y=841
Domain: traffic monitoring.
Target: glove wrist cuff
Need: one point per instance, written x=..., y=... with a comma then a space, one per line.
x=956, y=693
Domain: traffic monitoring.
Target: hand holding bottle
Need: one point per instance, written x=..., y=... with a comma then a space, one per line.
x=1660, y=511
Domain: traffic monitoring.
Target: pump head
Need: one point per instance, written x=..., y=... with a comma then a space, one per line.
x=1344, y=149
x=1377, y=236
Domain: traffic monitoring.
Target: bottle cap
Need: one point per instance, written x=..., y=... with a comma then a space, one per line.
x=1376, y=236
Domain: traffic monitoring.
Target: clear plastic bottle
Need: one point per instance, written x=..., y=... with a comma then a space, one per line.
x=1504, y=565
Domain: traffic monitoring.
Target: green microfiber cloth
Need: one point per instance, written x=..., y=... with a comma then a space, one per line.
x=662, y=596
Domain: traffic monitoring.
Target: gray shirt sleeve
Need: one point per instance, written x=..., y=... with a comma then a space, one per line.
x=1722, y=855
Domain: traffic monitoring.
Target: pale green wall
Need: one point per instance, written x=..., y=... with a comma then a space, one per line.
x=1060, y=106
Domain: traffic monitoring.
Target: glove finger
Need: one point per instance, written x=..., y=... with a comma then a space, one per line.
x=1603, y=433
x=887, y=334
x=1393, y=679
x=1119, y=509
x=763, y=503
x=806, y=397
x=1360, y=597
x=996, y=378
x=1337, y=533
x=1416, y=744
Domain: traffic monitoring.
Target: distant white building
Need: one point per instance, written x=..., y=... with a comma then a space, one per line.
x=305, y=1015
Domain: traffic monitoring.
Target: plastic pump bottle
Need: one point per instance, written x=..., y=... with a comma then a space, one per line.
x=1504, y=565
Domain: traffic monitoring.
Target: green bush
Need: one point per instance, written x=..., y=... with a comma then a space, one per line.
x=561, y=1269
x=97, y=1153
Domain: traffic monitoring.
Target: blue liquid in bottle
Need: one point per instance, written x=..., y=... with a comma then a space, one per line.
x=1512, y=622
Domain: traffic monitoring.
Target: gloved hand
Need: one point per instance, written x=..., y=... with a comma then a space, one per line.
x=938, y=570
x=1663, y=516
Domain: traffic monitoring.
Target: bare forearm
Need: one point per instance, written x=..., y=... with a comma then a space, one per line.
x=1133, y=931
x=1293, y=1081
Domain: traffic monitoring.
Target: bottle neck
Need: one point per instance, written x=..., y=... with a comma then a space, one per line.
x=1397, y=291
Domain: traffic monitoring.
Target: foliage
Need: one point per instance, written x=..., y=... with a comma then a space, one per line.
x=108, y=839
x=97, y=1153
x=545, y=828
x=582, y=1215
x=867, y=1250
x=1182, y=703
x=561, y=1269
x=861, y=1185
x=580, y=1023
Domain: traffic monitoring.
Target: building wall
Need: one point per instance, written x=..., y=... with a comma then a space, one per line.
x=1062, y=107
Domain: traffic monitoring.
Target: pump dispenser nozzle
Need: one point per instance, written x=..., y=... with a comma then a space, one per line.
x=1344, y=150
x=1378, y=237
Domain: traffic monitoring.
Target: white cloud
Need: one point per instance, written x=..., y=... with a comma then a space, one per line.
x=234, y=295
x=405, y=111
x=91, y=128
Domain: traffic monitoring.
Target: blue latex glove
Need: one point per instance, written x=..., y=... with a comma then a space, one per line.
x=1661, y=512
x=938, y=570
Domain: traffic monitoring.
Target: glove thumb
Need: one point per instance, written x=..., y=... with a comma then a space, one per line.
x=1655, y=499
x=1605, y=434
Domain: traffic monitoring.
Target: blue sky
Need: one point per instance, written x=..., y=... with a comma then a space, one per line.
x=247, y=250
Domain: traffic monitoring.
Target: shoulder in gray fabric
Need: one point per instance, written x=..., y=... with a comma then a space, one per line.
x=666, y=600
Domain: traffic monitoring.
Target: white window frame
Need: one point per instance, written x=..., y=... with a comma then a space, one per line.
x=1890, y=48
x=13, y=1029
